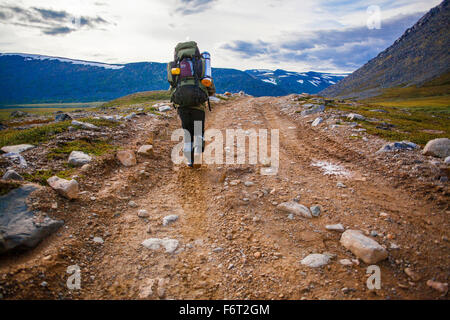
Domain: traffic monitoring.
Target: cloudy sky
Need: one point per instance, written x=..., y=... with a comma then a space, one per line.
x=318, y=35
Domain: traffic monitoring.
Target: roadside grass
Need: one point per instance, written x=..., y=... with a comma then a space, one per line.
x=38, y=111
x=32, y=135
x=100, y=122
x=41, y=176
x=138, y=98
x=412, y=121
x=93, y=147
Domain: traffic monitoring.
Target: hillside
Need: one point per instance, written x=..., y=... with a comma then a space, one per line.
x=29, y=79
x=417, y=57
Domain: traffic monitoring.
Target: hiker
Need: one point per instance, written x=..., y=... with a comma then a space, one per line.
x=191, y=85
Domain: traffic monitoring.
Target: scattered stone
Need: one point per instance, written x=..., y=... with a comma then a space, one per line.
x=335, y=227
x=143, y=213
x=17, y=149
x=341, y=185
x=18, y=227
x=439, y=286
x=346, y=262
x=355, y=116
x=312, y=110
x=66, y=188
x=78, y=158
x=84, y=125
x=363, y=247
x=98, y=240
x=315, y=211
x=130, y=116
x=169, y=219
x=316, y=260
x=62, y=117
x=447, y=160
x=86, y=168
x=317, y=121
x=12, y=175
x=146, y=150
x=132, y=204
x=154, y=244
x=248, y=183
x=164, y=108
x=44, y=284
x=437, y=148
x=257, y=255
x=127, y=158
x=413, y=275
x=295, y=208
x=235, y=182
x=398, y=146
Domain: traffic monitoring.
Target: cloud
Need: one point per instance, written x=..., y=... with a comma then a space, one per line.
x=188, y=7
x=50, y=22
x=343, y=49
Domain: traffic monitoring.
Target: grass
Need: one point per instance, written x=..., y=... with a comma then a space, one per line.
x=138, y=98
x=100, y=122
x=32, y=135
x=94, y=147
x=6, y=187
x=41, y=176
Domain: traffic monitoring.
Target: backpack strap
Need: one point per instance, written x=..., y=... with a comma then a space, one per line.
x=209, y=105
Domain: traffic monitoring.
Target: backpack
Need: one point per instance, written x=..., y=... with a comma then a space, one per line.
x=186, y=88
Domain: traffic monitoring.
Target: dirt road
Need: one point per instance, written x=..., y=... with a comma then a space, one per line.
x=233, y=243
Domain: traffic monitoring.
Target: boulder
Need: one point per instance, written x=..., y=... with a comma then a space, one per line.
x=12, y=175
x=146, y=150
x=295, y=208
x=66, y=188
x=62, y=117
x=355, y=116
x=19, y=229
x=84, y=125
x=365, y=248
x=169, y=219
x=17, y=149
x=312, y=110
x=127, y=158
x=398, y=146
x=78, y=158
x=437, y=148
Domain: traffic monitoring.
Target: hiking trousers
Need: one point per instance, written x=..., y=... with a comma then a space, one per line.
x=193, y=122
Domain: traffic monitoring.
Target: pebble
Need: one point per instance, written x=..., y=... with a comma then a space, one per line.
x=316, y=260
x=346, y=262
x=98, y=240
x=132, y=204
x=335, y=227
x=142, y=213
x=315, y=211
x=341, y=185
x=169, y=219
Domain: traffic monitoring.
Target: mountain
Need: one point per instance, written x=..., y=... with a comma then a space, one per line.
x=295, y=82
x=420, y=55
x=28, y=78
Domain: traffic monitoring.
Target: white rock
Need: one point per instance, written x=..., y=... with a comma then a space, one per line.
x=66, y=188
x=169, y=219
x=248, y=183
x=317, y=121
x=146, y=150
x=127, y=158
x=355, y=116
x=164, y=108
x=295, y=208
x=98, y=240
x=335, y=227
x=143, y=213
x=363, y=247
x=84, y=125
x=437, y=148
x=17, y=149
x=154, y=244
x=316, y=260
x=78, y=158
x=447, y=160
x=346, y=262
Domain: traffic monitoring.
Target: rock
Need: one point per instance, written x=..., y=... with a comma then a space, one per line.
x=12, y=175
x=295, y=208
x=316, y=260
x=3, y=126
x=355, y=116
x=235, y=182
x=143, y=213
x=18, y=114
x=16, y=158
x=214, y=99
x=154, y=244
x=84, y=125
x=346, y=262
x=17, y=149
x=363, y=247
x=413, y=275
x=341, y=185
x=19, y=229
x=98, y=240
x=132, y=204
x=164, y=108
x=249, y=183
x=66, y=188
x=398, y=146
x=315, y=211
x=437, y=148
x=257, y=255
x=312, y=110
x=130, y=116
x=127, y=158
x=146, y=150
x=62, y=117
x=439, y=286
x=379, y=110
x=86, y=168
x=317, y=121
x=335, y=227
x=78, y=158
x=447, y=160
x=169, y=219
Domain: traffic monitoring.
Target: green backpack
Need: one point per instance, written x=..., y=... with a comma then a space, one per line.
x=186, y=88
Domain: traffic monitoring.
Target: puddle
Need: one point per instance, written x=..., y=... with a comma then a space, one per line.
x=331, y=169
